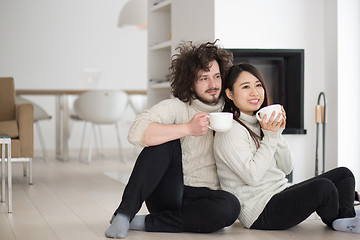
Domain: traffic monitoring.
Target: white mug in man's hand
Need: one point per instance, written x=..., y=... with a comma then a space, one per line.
x=268, y=110
x=220, y=121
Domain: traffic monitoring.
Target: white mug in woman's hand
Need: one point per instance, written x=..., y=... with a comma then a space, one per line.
x=268, y=110
x=220, y=121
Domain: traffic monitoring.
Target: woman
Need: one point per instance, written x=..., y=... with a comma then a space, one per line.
x=253, y=159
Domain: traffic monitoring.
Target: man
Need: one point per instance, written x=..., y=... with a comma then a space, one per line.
x=175, y=174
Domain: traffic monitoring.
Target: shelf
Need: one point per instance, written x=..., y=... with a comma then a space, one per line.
x=159, y=85
x=161, y=6
x=162, y=45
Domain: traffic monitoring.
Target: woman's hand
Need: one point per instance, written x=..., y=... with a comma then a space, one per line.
x=274, y=124
x=283, y=120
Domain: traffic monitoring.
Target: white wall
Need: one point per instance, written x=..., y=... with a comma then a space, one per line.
x=331, y=82
x=299, y=24
x=46, y=44
x=349, y=84
x=296, y=24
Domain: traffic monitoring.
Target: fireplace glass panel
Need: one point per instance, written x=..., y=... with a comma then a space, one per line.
x=283, y=71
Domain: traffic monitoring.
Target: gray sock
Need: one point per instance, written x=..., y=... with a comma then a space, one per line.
x=119, y=226
x=138, y=223
x=357, y=212
x=347, y=224
x=112, y=218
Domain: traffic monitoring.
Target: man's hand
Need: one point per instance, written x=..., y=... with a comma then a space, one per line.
x=198, y=125
x=158, y=133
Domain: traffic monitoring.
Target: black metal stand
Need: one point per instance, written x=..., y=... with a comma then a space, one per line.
x=320, y=112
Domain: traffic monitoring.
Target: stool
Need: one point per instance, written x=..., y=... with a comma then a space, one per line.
x=6, y=140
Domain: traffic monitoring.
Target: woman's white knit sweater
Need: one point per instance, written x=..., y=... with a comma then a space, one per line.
x=199, y=166
x=252, y=175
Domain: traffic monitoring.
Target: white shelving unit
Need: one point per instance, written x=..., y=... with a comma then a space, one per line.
x=162, y=45
x=169, y=23
x=160, y=85
x=159, y=53
x=160, y=4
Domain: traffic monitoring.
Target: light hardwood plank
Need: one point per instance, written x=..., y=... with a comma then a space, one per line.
x=5, y=227
x=74, y=201
x=26, y=221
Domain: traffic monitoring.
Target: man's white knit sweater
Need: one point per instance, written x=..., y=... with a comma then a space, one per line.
x=252, y=175
x=199, y=166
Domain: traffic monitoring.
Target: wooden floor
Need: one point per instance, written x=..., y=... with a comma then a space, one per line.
x=74, y=201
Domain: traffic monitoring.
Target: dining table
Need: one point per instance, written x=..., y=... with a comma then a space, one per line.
x=62, y=114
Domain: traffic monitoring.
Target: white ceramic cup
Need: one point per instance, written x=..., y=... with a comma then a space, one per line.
x=268, y=110
x=220, y=121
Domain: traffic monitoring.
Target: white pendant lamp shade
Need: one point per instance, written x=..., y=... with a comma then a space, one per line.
x=134, y=13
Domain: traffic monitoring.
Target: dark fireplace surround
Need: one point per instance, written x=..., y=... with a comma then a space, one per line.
x=283, y=71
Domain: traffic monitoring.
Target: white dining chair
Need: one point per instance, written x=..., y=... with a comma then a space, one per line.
x=101, y=107
x=138, y=102
x=90, y=79
x=39, y=115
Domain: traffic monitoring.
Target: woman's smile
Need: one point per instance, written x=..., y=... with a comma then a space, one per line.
x=254, y=101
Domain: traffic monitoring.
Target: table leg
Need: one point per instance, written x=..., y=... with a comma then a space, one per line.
x=3, y=172
x=57, y=130
x=9, y=179
x=62, y=127
x=65, y=127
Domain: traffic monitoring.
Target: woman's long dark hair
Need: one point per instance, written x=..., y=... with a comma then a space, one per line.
x=229, y=82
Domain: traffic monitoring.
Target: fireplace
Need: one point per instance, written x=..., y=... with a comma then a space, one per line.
x=283, y=71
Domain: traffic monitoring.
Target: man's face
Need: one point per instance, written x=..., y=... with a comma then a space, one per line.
x=208, y=84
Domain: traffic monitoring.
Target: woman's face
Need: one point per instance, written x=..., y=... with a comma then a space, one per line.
x=248, y=93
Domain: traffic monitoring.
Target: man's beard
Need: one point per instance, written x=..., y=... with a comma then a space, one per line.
x=214, y=99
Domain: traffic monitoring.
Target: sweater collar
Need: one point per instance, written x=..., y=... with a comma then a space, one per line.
x=247, y=119
x=203, y=107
